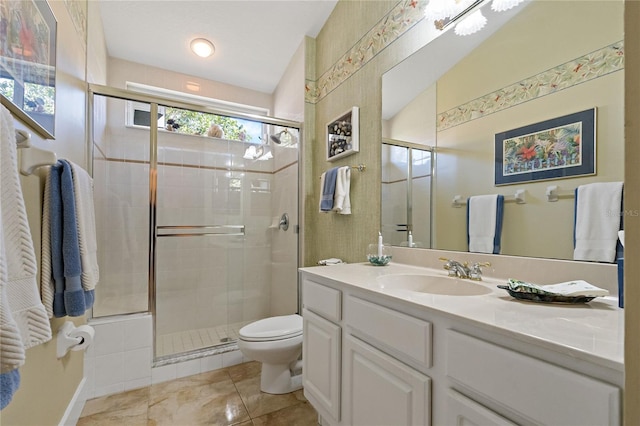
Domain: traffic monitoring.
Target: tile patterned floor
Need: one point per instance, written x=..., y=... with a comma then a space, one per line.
x=230, y=396
x=176, y=343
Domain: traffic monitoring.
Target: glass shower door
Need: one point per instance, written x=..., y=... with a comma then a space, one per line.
x=121, y=195
x=406, y=194
x=212, y=249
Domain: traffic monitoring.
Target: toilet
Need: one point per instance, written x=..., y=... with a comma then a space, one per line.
x=276, y=342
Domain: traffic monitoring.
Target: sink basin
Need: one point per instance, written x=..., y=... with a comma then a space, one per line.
x=448, y=286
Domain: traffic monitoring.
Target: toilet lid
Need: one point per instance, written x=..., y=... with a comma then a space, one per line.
x=273, y=328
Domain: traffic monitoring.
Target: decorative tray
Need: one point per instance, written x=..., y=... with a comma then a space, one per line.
x=546, y=298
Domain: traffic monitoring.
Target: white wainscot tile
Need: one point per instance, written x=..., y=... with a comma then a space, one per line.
x=163, y=374
x=109, y=338
x=188, y=368
x=137, y=364
x=109, y=370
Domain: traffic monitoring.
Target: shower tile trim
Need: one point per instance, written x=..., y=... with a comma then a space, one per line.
x=193, y=166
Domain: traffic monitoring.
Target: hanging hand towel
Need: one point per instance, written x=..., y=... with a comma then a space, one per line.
x=83, y=191
x=597, y=221
x=23, y=318
x=484, y=223
x=70, y=298
x=328, y=189
x=342, y=201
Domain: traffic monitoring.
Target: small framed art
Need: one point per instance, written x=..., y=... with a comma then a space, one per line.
x=342, y=135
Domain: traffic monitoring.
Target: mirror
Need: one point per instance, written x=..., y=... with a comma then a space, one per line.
x=536, y=62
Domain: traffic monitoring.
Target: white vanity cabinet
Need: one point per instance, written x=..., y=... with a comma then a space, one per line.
x=321, y=348
x=373, y=358
x=534, y=390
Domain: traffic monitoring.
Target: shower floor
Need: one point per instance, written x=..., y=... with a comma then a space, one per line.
x=191, y=340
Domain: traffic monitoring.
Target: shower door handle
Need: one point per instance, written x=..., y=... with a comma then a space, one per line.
x=284, y=222
x=199, y=231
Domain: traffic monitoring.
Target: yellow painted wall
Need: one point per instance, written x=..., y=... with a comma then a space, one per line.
x=48, y=384
x=632, y=204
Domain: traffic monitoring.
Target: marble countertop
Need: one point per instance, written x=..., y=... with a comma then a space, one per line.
x=593, y=331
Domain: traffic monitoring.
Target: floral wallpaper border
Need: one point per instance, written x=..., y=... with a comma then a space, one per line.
x=593, y=65
x=401, y=18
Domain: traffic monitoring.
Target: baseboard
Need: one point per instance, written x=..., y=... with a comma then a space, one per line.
x=74, y=409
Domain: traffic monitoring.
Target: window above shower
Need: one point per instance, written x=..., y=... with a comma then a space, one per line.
x=188, y=122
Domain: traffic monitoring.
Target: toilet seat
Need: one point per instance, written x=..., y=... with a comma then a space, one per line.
x=274, y=328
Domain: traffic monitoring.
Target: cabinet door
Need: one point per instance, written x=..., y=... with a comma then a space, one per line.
x=380, y=390
x=462, y=411
x=321, y=364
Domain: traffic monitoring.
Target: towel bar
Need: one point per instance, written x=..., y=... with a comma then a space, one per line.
x=519, y=198
x=554, y=193
x=361, y=168
x=31, y=158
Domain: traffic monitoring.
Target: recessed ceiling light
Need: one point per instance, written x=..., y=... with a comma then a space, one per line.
x=202, y=47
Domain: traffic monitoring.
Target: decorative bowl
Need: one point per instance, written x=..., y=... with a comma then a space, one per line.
x=376, y=258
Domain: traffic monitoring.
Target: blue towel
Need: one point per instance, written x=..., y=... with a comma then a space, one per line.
x=69, y=297
x=57, y=261
x=499, y=214
x=74, y=299
x=329, y=189
x=9, y=384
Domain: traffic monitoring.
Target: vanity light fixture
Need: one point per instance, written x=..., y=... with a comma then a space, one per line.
x=202, y=47
x=502, y=5
x=446, y=12
x=438, y=10
x=471, y=24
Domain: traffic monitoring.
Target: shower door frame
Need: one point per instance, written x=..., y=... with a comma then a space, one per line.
x=410, y=146
x=154, y=101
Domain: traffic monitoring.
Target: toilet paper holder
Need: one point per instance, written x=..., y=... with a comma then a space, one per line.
x=73, y=338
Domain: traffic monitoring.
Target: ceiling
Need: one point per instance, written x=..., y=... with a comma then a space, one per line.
x=254, y=39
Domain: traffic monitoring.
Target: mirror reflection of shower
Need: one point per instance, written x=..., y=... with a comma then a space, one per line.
x=406, y=193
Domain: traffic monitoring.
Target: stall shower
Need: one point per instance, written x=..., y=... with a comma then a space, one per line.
x=187, y=224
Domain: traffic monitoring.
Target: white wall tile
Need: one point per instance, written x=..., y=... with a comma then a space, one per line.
x=188, y=368
x=109, y=370
x=108, y=390
x=137, y=384
x=232, y=358
x=137, y=364
x=211, y=363
x=163, y=374
x=109, y=338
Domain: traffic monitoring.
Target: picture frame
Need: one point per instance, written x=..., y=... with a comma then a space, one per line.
x=342, y=134
x=558, y=148
x=28, y=63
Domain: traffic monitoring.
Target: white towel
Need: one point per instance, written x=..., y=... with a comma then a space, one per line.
x=86, y=222
x=482, y=222
x=20, y=291
x=342, y=200
x=597, y=224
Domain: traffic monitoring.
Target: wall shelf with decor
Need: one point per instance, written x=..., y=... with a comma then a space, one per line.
x=343, y=135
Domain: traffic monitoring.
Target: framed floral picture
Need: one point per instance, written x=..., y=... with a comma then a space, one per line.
x=28, y=63
x=558, y=148
x=342, y=135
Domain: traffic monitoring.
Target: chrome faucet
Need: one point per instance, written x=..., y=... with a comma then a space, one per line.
x=463, y=270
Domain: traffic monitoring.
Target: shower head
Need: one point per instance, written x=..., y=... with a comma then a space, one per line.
x=276, y=138
x=284, y=138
